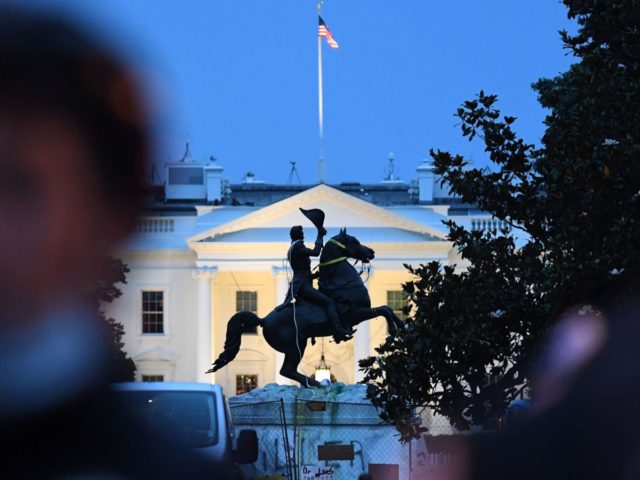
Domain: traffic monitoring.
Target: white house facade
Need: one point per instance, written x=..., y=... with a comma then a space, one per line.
x=192, y=268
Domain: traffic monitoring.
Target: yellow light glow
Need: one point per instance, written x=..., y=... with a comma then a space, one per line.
x=322, y=374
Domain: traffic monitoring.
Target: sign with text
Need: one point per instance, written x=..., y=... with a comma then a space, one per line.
x=313, y=472
x=335, y=452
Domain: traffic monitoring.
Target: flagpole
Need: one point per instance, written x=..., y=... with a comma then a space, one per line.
x=320, y=106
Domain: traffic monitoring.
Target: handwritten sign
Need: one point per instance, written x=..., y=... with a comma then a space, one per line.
x=313, y=472
x=335, y=452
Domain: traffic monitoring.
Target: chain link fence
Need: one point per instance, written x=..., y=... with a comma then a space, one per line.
x=275, y=458
x=345, y=440
x=329, y=440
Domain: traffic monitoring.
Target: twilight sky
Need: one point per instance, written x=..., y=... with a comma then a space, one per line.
x=238, y=78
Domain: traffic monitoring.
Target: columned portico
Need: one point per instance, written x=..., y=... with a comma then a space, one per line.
x=204, y=339
x=248, y=251
x=281, y=274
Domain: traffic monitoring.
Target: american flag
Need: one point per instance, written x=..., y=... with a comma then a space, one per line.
x=323, y=31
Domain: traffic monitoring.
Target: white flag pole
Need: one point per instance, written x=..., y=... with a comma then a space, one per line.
x=321, y=173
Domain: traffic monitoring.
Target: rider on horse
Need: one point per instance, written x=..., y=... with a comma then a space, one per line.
x=302, y=282
x=339, y=279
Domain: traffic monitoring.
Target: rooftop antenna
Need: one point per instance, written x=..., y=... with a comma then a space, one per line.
x=293, y=172
x=155, y=175
x=187, y=154
x=390, y=174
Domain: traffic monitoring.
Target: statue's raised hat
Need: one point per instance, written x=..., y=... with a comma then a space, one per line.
x=315, y=215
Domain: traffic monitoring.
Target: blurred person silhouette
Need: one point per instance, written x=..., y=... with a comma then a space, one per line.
x=585, y=413
x=73, y=147
x=517, y=413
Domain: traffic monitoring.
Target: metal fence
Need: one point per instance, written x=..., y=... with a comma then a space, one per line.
x=275, y=458
x=347, y=439
x=305, y=439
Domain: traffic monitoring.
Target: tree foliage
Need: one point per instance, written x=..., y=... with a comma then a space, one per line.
x=105, y=290
x=577, y=198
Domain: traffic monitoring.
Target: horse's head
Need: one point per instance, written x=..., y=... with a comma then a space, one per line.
x=353, y=248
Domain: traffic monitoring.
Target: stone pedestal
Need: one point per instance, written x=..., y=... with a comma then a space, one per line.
x=339, y=415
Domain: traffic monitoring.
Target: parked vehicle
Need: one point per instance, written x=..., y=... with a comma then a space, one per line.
x=195, y=415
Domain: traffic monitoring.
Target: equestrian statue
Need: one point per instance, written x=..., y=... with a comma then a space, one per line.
x=341, y=302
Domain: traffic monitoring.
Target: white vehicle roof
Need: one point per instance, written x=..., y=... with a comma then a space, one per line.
x=167, y=387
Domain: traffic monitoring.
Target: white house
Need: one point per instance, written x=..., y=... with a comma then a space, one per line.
x=193, y=266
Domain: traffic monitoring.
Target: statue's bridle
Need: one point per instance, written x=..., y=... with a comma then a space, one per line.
x=340, y=259
x=335, y=260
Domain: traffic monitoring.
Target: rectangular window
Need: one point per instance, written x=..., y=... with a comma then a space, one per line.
x=396, y=299
x=153, y=378
x=246, y=383
x=188, y=418
x=247, y=301
x=186, y=176
x=152, y=312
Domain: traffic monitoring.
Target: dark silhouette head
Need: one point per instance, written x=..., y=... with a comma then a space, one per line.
x=53, y=68
x=73, y=148
x=296, y=233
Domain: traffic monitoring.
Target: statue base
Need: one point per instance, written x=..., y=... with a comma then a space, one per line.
x=331, y=429
x=335, y=392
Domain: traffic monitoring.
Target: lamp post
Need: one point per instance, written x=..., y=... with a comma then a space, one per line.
x=323, y=372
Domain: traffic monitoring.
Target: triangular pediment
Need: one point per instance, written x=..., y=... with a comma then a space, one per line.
x=341, y=210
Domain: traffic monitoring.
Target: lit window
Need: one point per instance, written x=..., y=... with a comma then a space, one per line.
x=396, y=299
x=246, y=383
x=152, y=312
x=153, y=378
x=247, y=301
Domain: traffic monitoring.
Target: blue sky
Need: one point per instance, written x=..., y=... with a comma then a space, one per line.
x=238, y=78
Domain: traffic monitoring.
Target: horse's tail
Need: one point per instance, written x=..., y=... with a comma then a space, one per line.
x=238, y=324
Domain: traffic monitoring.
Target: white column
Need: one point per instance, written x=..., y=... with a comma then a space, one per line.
x=361, y=346
x=282, y=286
x=426, y=179
x=362, y=340
x=204, y=324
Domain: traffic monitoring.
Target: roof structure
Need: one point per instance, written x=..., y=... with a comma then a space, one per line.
x=341, y=210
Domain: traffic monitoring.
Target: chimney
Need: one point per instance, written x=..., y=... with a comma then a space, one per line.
x=213, y=180
x=426, y=179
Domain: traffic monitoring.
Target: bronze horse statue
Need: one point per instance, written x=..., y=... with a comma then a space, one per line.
x=289, y=326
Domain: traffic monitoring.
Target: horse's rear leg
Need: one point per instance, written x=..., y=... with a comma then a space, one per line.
x=290, y=370
x=393, y=322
